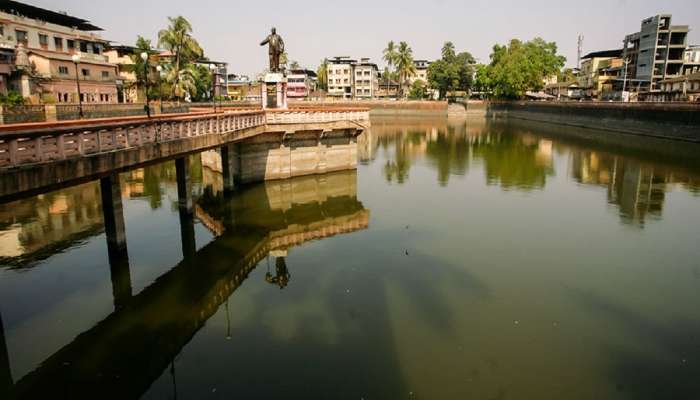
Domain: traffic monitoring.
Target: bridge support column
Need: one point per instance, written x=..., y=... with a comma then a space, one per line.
x=231, y=165
x=113, y=213
x=185, y=208
x=6, y=382
x=115, y=231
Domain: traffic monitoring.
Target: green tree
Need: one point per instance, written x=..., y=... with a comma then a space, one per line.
x=177, y=39
x=390, y=54
x=566, y=75
x=322, y=74
x=448, y=52
x=519, y=67
x=418, y=91
x=452, y=72
x=404, y=65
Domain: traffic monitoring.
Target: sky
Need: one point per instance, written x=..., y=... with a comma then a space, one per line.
x=231, y=30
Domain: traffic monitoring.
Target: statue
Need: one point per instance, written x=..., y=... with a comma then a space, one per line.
x=276, y=47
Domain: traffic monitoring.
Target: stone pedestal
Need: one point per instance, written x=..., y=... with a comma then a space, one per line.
x=274, y=91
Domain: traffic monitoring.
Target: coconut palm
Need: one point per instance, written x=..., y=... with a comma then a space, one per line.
x=177, y=39
x=404, y=64
x=184, y=80
x=390, y=53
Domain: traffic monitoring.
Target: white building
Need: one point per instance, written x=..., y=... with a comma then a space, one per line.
x=366, y=79
x=341, y=71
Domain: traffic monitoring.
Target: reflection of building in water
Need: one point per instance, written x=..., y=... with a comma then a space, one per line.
x=34, y=228
x=638, y=190
x=282, y=276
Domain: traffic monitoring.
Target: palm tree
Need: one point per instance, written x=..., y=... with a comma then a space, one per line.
x=322, y=74
x=404, y=64
x=177, y=38
x=448, y=51
x=390, y=53
x=137, y=64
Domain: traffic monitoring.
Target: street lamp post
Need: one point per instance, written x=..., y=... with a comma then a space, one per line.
x=624, y=81
x=144, y=57
x=212, y=67
x=160, y=86
x=76, y=61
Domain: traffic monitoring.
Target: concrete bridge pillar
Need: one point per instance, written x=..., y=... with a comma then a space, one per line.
x=185, y=207
x=6, y=382
x=115, y=231
x=231, y=166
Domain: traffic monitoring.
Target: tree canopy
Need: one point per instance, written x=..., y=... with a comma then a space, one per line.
x=519, y=66
x=452, y=72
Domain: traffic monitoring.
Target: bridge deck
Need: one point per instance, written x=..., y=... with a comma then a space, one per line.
x=36, y=157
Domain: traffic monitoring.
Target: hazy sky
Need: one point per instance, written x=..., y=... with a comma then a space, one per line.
x=231, y=31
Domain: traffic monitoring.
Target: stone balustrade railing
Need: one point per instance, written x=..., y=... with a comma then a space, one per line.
x=33, y=143
x=60, y=141
x=303, y=116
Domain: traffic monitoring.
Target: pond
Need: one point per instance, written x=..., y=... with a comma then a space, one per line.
x=465, y=258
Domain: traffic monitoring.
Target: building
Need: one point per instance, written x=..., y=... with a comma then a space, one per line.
x=680, y=88
x=36, y=50
x=301, y=83
x=421, y=71
x=388, y=89
x=340, y=77
x=366, y=79
x=691, y=60
x=128, y=90
x=655, y=52
x=240, y=87
x=563, y=90
x=595, y=72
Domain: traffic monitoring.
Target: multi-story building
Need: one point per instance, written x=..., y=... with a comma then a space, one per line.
x=366, y=79
x=421, y=72
x=680, y=88
x=655, y=52
x=691, y=60
x=36, y=56
x=341, y=71
x=593, y=75
x=301, y=83
x=128, y=90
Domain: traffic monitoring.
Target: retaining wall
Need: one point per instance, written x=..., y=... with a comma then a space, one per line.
x=676, y=121
x=380, y=107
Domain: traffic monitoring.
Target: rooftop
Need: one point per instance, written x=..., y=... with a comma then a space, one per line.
x=617, y=53
x=58, y=18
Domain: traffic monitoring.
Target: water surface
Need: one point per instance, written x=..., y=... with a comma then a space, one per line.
x=463, y=259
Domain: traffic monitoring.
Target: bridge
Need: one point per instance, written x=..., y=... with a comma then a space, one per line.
x=120, y=357
x=40, y=157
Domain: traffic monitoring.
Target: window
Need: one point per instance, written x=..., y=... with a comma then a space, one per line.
x=2, y=30
x=105, y=74
x=70, y=44
x=43, y=41
x=21, y=37
x=58, y=43
x=63, y=70
x=84, y=47
x=85, y=72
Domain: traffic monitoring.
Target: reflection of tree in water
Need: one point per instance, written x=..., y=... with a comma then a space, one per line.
x=512, y=163
x=405, y=145
x=152, y=181
x=450, y=154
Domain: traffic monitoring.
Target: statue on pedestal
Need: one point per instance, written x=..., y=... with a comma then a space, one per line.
x=276, y=47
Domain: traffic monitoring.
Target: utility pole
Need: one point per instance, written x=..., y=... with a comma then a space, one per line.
x=624, y=82
x=580, y=52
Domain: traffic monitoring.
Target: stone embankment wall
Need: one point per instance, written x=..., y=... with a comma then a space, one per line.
x=380, y=107
x=677, y=121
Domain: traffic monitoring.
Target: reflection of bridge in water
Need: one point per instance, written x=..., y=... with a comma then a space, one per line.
x=124, y=353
